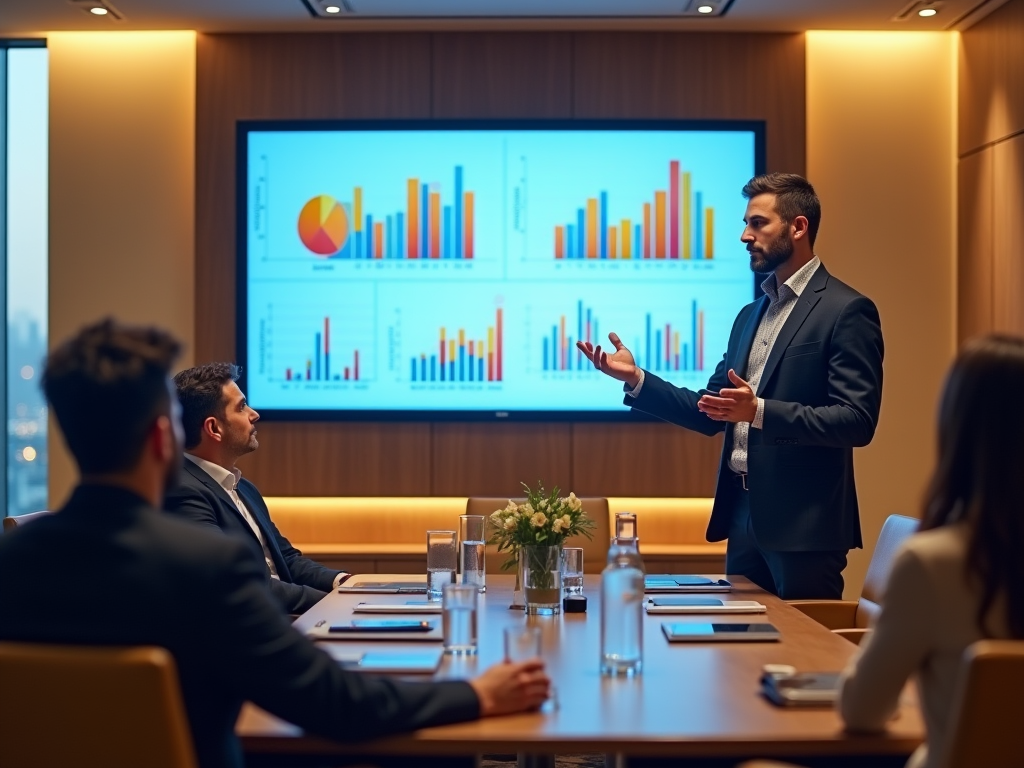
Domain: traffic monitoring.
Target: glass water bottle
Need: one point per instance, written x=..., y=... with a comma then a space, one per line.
x=622, y=599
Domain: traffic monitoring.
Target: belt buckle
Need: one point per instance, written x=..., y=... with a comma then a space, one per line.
x=742, y=477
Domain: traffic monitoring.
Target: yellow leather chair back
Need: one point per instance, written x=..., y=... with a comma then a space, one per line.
x=986, y=715
x=86, y=707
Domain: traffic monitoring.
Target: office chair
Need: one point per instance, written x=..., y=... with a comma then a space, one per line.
x=851, y=618
x=91, y=707
x=10, y=523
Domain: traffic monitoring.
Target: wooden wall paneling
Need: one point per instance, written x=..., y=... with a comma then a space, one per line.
x=473, y=459
x=975, y=253
x=698, y=76
x=284, y=77
x=643, y=459
x=1008, y=234
x=341, y=459
x=494, y=75
x=281, y=77
x=991, y=78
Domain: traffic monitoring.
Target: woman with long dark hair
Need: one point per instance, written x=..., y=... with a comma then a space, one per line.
x=962, y=578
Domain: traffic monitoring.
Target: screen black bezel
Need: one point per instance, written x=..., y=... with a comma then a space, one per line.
x=245, y=127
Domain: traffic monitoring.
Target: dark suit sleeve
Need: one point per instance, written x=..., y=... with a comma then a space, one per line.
x=268, y=662
x=678, y=405
x=192, y=504
x=854, y=381
x=303, y=570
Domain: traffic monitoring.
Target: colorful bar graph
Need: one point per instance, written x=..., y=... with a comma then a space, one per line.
x=318, y=366
x=437, y=223
x=674, y=225
x=559, y=345
x=462, y=358
x=663, y=348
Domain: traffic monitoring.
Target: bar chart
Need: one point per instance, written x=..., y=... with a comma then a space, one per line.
x=435, y=224
x=559, y=345
x=669, y=348
x=461, y=357
x=674, y=223
x=319, y=365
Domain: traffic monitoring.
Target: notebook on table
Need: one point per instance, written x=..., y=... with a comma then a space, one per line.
x=423, y=662
x=717, y=632
x=684, y=582
x=802, y=689
x=385, y=583
x=696, y=604
x=405, y=606
x=394, y=629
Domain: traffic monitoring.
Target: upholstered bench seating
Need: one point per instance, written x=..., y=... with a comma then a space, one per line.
x=387, y=534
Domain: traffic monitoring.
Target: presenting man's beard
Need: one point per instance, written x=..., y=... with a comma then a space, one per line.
x=777, y=254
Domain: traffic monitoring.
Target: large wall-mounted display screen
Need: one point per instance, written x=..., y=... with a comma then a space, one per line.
x=447, y=269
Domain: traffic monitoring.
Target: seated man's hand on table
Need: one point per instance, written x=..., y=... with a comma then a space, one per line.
x=506, y=688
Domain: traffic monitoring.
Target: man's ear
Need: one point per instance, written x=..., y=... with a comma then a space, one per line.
x=799, y=228
x=162, y=442
x=211, y=429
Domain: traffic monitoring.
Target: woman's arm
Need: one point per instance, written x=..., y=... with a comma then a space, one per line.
x=901, y=640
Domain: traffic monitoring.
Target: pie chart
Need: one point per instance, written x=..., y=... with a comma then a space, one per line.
x=323, y=225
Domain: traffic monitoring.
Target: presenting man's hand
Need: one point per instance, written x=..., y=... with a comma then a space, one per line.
x=735, y=405
x=620, y=365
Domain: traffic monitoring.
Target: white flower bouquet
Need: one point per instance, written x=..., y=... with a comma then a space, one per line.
x=544, y=519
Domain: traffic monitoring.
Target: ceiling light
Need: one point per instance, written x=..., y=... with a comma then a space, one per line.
x=926, y=12
x=332, y=9
x=98, y=10
x=705, y=9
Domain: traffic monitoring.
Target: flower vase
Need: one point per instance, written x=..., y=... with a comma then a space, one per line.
x=518, y=597
x=541, y=575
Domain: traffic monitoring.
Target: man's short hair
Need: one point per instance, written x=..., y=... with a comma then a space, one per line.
x=201, y=392
x=107, y=384
x=794, y=196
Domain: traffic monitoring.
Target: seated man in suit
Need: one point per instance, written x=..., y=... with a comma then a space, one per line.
x=220, y=428
x=156, y=580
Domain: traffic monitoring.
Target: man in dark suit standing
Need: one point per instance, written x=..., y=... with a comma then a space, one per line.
x=220, y=428
x=155, y=580
x=799, y=387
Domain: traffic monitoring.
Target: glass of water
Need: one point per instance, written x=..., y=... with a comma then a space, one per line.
x=572, y=570
x=625, y=525
x=459, y=618
x=441, y=549
x=473, y=542
x=522, y=643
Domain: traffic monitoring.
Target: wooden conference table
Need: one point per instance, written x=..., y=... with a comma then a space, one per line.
x=692, y=700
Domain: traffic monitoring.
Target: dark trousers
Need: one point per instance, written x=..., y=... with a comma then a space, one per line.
x=790, y=575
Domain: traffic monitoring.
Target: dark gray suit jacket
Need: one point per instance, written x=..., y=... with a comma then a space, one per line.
x=822, y=387
x=108, y=569
x=201, y=499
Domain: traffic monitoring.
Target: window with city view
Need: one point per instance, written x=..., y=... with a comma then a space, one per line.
x=23, y=226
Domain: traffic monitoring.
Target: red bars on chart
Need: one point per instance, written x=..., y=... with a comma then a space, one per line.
x=674, y=225
x=318, y=367
x=462, y=359
x=428, y=228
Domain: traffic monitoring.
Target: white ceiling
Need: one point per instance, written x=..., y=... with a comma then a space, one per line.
x=19, y=17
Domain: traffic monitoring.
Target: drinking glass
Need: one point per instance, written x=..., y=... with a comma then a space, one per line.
x=625, y=525
x=441, y=549
x=459, y=618
x=473, y=538
x=522, y=643
x=572, y=570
